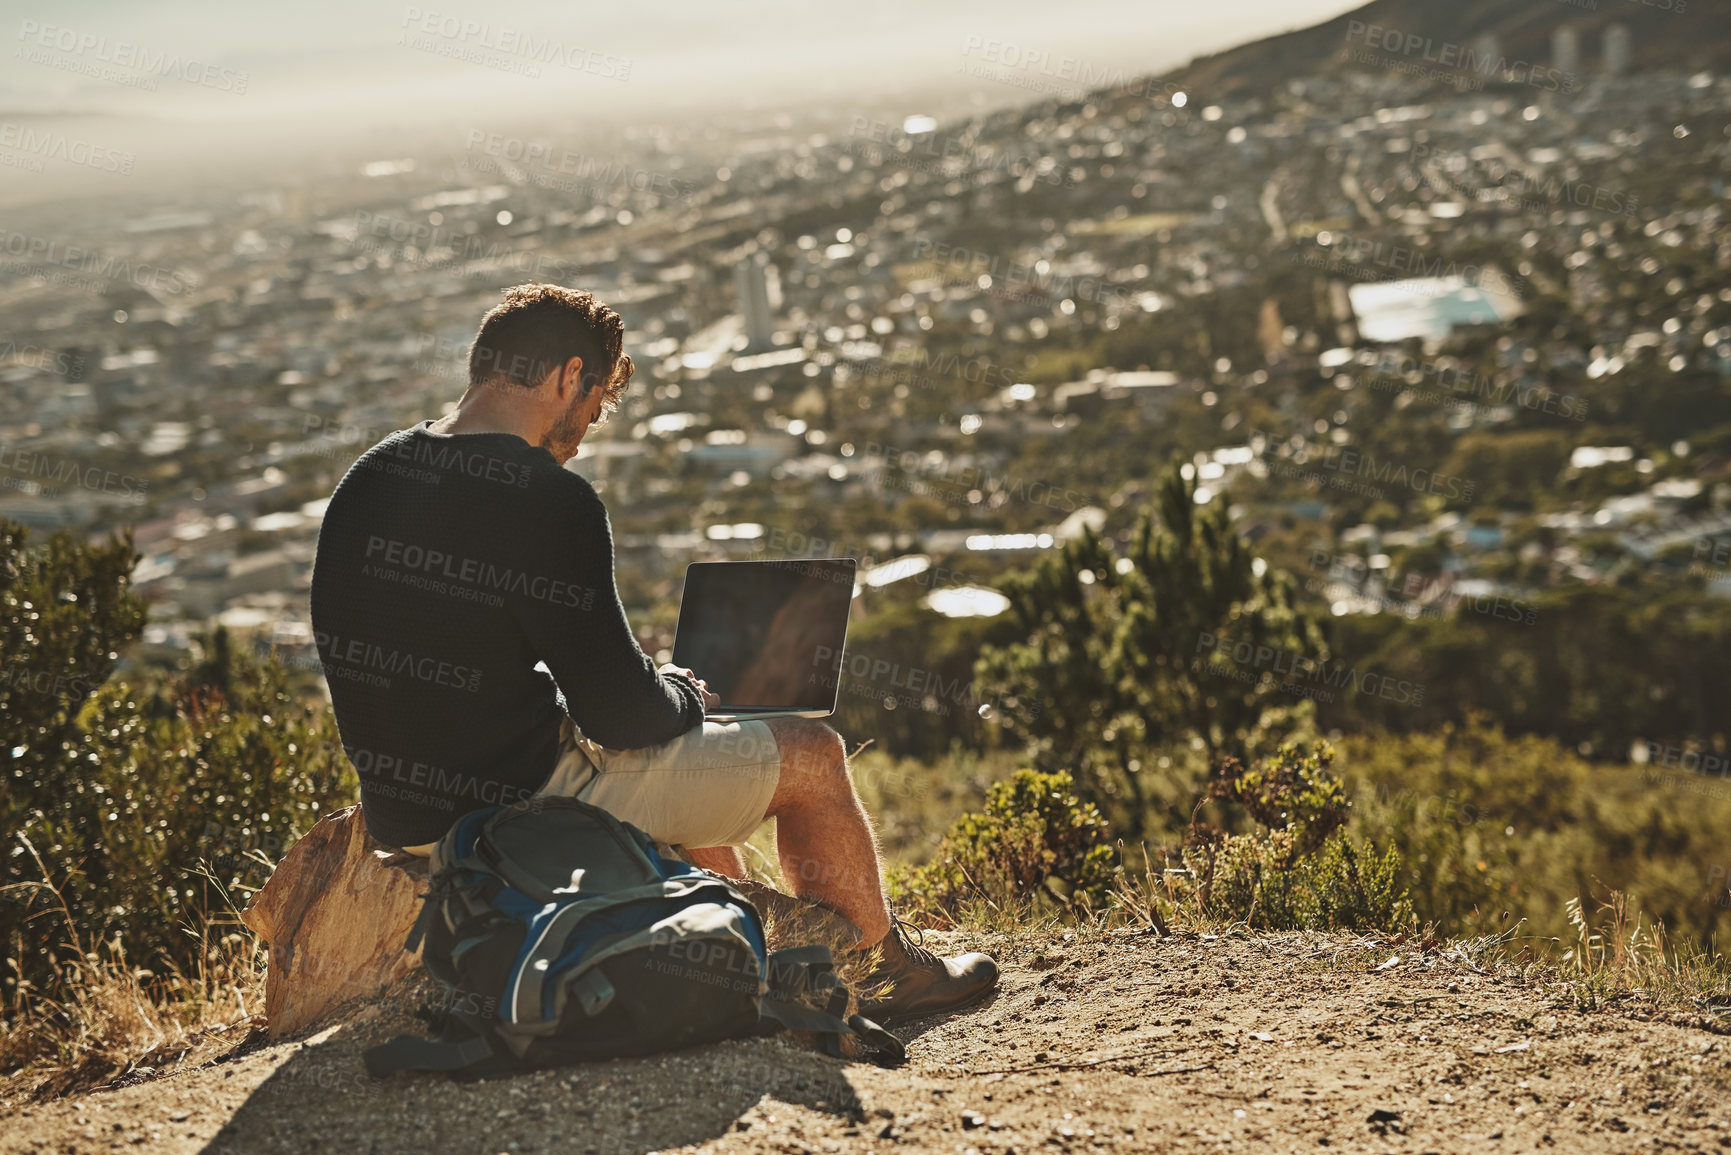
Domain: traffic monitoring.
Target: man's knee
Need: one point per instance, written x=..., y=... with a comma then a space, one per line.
x=807, y=743
x=813, y=759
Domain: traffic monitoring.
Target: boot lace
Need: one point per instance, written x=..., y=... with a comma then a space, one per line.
x=913, y=947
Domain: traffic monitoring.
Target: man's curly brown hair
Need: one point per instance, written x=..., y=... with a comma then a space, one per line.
x=535, y=329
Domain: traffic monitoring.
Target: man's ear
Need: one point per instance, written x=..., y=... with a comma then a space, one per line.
x=570, y=382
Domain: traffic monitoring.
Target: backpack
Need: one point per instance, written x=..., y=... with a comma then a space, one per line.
x=560, y=934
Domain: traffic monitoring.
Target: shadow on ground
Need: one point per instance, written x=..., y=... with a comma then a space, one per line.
x=321, y=1099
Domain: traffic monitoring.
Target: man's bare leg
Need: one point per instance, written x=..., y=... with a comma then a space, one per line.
x=822, y=834
x=829, y=856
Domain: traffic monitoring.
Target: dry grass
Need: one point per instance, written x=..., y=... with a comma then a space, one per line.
x=105, y=1016
x=1625, y=960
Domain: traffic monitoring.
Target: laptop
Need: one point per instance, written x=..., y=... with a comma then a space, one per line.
x=767, y=636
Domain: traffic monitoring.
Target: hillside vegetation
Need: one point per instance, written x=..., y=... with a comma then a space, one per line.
x=1154, y=787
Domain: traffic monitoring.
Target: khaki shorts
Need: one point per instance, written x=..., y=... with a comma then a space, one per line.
x=708, y=787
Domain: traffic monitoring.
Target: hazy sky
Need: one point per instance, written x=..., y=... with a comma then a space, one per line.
x=368, y=59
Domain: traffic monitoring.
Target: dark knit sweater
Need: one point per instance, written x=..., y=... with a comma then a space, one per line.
x=463, y=603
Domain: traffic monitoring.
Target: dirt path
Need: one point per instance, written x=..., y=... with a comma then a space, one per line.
x=1125, y=1042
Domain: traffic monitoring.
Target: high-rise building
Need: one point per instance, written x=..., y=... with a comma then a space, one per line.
x=751, y=279
x=1486, y=56
x=1566, y=50
x=1619, y=49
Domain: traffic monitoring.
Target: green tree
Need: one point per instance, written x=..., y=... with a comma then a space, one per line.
x=1185, y=635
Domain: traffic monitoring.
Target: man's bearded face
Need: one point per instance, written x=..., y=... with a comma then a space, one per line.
x=563, y=438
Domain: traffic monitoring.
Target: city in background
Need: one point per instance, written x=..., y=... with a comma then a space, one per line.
x=1446, y=320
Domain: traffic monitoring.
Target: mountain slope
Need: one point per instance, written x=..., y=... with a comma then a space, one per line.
x=1697, y=37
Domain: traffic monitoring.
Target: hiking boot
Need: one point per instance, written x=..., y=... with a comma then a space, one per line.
x=923, y=983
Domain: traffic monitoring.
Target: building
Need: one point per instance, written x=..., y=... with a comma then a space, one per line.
x=1619, y=49
x=751, y=279
x=1566, y=50
x=1487, y=51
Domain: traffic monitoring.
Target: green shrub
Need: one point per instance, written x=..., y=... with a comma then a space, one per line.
x=1123, y=649
x=1264, y=881
x=1293, y=790
x=1301, y=871
x=1034, y=836
x=117, y=793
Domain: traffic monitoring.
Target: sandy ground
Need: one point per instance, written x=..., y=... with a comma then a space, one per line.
x=1126, y=1042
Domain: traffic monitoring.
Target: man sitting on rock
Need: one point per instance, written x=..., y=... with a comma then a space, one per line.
x=465, y=611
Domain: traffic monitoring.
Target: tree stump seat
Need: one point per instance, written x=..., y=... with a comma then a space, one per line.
x=334, y=916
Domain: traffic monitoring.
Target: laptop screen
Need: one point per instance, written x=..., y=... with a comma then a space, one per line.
x=766, y=633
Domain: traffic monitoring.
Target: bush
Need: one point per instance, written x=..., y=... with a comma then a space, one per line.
x=1294, y=791
x=1266, y=883
x=132, y=811
x=1301, y=871
x=1034, y=837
